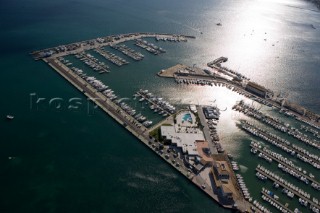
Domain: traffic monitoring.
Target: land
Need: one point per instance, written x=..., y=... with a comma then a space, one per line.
x=186, y=139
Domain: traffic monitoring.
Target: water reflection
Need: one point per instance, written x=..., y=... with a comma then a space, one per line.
x=221, y=97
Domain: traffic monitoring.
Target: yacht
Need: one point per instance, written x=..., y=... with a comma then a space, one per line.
x=10, y=117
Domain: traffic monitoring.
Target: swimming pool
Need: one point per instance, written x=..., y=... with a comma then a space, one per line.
x=187, y=117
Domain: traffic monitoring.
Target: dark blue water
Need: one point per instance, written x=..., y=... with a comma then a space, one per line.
x=82, y=161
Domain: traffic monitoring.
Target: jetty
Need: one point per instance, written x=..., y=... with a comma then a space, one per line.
x=235, y=81
x=117, y=60
x=286, y=185
x=285, y=162
x=276, y=123
x=157, y=104
x=74, y=48
x=128, y=52
x=269, y=198
x=302, y=154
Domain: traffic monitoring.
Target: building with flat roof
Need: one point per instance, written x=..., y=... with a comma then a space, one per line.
x=225, y=189
x=220, y=170
x=184, y=140
x=211, y=112
x=204, y=152
x=226, y=192
x=256, y=89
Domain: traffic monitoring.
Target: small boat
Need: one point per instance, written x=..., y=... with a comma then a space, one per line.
x=10, y=117
x=219, y=24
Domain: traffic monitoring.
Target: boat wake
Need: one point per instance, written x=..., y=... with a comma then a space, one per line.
x=243, y=168
x=144, y=177
x=168, y=175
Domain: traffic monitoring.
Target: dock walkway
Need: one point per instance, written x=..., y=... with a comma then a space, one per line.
x=128, y=52
x=111, y=57
x=154, y=103
x=278, y=142
x=277, y=202
x=297, y=193
x=285, y=164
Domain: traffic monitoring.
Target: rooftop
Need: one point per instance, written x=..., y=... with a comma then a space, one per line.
x=185, y=140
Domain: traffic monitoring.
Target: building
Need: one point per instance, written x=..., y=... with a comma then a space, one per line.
x=211, y=112
x=226, y=192
x=187, y=141
x=221, y=172
x=256, y=89
x=224, y=187
x=204, y=152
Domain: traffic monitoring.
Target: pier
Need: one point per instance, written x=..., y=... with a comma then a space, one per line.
x=156, y=104
x=285, y=185
x=128, y=52
x=282, y=209
x=276, y=124
x=216, y=64
x=149, y=47
x=74, y=48
x=92, y=62
x=265, y=152
x=112, y=57
x=292, y=149
x=244, y=86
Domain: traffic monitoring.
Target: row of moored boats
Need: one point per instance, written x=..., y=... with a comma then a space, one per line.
x=283, y=144
x=117, y=60
x=277, y=124
x=243, y=187
x=289, y=185
x=288, y=167
x=104, y=89
x=157, y=104
x=92, y=62
x=149, y=47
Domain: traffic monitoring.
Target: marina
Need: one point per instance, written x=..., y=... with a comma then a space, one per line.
x=216, y=64
x=64, y=151
x=122, y=116
x=292, y=149
x=128, y=52
x=178, y=139
x=287, y=165
x=81, y=46
x=111, y=57
x=149, y=47
x=290, y=189
x=137, y=124
x=270, y=197
x=157, y=104
x=243, y=86
x=276, y=124
x=92, y=62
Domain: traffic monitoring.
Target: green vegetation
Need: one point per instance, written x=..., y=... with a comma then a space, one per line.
x=167, y=125
x=198, y=122
x=156, y=134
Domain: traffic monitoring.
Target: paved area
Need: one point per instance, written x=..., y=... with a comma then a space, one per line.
x=206, y=130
